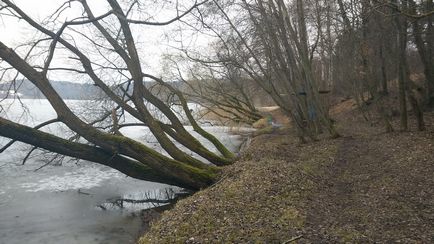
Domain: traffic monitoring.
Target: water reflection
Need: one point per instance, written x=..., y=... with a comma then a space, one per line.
x=144, y=200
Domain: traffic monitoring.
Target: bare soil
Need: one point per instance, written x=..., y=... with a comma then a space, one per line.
x=365, y=187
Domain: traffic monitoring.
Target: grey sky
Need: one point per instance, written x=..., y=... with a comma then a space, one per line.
x=151, y=43
x=15, y=31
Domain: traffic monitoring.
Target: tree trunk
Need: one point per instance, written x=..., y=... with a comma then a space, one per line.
x=191, y=175
x=52, y=143
x=384, y=86
x=401, y=26
x=425, y=46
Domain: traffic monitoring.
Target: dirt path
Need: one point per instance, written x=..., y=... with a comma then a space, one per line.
x=378, y=190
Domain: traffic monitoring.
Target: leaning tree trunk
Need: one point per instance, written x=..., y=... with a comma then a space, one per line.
x=115, y=150
x=191, y=175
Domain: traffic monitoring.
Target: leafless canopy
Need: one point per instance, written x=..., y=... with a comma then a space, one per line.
x=104, y=49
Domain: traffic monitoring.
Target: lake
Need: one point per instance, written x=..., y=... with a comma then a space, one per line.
x=71, y=203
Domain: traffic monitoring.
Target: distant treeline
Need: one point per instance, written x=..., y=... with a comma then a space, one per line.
x=66, y=89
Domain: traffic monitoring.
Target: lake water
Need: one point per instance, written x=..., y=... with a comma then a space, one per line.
x=71, y=203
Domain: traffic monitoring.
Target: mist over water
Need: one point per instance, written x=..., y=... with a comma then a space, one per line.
x=70, y=203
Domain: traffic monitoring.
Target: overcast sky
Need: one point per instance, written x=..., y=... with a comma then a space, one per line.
x=14, y=31
x=152, y=45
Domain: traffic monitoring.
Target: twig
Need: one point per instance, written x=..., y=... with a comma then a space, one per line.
x=28, y=155
x=84, y=193
x=46, y=164
x=293, y=239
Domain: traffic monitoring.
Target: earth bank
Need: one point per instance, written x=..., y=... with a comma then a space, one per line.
x=366, y=186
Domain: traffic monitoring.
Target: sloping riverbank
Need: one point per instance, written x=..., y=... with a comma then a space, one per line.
x=358, y=188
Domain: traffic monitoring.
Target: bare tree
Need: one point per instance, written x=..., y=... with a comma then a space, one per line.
x=223, y=90
x=112, y=38
x=422, y=19
x=371, y=60
x=275, y=51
